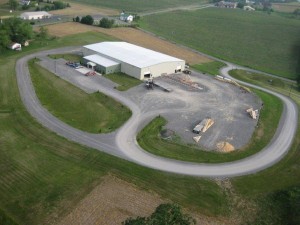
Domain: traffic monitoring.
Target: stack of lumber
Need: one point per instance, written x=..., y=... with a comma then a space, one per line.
x=208, y=123
x=227, y=80
x=252, y=113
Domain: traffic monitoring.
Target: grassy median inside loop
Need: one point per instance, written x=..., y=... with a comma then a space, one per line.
x=125, y=81
x=150, y=140
x=95, y=113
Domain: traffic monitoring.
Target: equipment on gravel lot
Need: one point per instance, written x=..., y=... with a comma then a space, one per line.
x=90, y=73
x=187, y=72
x=203, y=126
x=75, y=65
x=149, y=84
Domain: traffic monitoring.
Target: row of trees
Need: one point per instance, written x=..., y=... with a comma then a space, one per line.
x=55, y=5
x=14, y=30
x=89, y=20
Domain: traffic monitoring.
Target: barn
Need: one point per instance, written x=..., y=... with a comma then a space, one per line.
x=35, y=15
x=131, y=59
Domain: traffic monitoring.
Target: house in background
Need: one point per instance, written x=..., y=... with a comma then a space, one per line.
x=248, y=8
x=35, y=15
x=223, y=4
x=24, y=2
x=126, y=17
x=15, y=46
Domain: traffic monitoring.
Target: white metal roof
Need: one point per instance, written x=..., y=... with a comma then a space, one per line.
x=38, y=13
x=100, y=60
x=131, y=54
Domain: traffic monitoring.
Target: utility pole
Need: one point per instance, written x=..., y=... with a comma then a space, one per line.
x=290, y=90
x=55, y=66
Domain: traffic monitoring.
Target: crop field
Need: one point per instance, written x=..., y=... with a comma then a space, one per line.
x=133, y=36
x=139, y=5
x=84, y=9
x=286, y=7
x=44, y=177
x=254, y=39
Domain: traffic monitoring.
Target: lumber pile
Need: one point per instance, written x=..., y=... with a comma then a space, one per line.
x=253, y=113
x=203, y=126
x=197, y=138
x=227, y=80
x=208, y=123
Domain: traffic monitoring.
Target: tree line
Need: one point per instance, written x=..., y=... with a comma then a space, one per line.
x=14, y=30
x=89, y=20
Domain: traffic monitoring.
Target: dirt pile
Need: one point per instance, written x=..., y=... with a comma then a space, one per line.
x=224, y=146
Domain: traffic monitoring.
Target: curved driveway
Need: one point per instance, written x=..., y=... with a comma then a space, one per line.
x=123, y=143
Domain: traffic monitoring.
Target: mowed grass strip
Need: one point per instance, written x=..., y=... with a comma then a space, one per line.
x=94, y=113
x=68, y=57
x=139, y=5
x=150, y=140
x=254, y=39
x=211, y=68
x=282, y=86
x=125, y=81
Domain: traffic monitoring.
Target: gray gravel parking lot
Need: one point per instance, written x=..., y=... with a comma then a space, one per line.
x=225, y=103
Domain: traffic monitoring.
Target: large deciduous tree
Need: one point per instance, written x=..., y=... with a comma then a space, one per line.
x=18, y=29
x=165, y=214
x=87, y=20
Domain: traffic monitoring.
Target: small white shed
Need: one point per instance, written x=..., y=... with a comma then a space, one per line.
x=126, y=17
x=15, y=46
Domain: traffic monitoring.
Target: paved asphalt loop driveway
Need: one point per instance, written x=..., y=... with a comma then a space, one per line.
x=123, y=144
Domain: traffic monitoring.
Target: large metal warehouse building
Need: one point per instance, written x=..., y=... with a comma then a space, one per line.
x=141, y=63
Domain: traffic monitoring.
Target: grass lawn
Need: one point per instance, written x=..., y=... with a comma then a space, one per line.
x=43, y=175
x=139, y=5
x=149, y=139
x=68, y=57
x=93, y=113
x=125, y=82
x=254, y=39
x=211, y=68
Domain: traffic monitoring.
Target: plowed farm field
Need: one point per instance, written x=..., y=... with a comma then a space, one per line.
x=80, y=9
x=133, y=36
x=115, y=200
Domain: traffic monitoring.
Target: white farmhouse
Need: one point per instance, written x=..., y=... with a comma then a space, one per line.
x=35, y=15
x=126, y=17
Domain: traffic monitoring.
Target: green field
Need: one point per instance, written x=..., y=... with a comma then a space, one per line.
x=43, y=176
x=68, y=57
x=150, y=140
x=210, y=68
x=254, y=39
x=125, y=82
x=95, y=113
x=139, y=5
